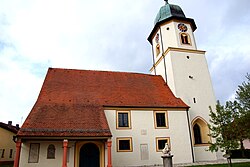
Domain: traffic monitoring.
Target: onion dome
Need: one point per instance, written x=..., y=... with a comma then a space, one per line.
x=168, y=11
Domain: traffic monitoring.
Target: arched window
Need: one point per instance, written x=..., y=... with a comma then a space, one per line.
x=51, y=152
x=185, y=39
x=197, y=134
x=200, y=131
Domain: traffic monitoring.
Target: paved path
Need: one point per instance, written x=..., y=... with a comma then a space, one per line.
x=205, y=163
x=213, y=162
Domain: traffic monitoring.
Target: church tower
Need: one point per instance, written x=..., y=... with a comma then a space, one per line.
x=185, y=70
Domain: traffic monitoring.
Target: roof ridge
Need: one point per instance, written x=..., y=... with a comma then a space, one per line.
x=124, y=72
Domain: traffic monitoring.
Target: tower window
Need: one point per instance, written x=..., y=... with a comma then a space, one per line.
x=158, y=50
x=197, y=134
x=188, y=57
x=200, y=131
x=185, y=39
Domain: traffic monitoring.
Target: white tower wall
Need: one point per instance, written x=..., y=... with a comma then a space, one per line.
x=185, y=70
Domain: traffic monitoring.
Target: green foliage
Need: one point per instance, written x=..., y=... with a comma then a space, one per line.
x=243, y=98
x=243, y=94
x=230, y=124
x=221, y=128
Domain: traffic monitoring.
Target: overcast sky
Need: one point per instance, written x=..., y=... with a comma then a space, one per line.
x=109, y=35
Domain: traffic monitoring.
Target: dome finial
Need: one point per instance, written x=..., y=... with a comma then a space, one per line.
x=166, y=1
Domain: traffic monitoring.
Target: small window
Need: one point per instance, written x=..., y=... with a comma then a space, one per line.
x=185, y=39
x=160, y=118
x=51, y=151
x=124, y=144
x=123, y=120
x=34, y=153
x=11, y=153
x=160, y=143
x=2, y=152
x=157, y=50
x=197, y=134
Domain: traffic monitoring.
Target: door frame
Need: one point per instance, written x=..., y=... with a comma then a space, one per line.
x=100, y=146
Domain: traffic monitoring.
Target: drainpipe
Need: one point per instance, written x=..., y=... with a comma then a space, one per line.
x=163, y=55
x=153, y=58
x=109, y=144
x=65, y=146
x=192, y=150
x=18, y=150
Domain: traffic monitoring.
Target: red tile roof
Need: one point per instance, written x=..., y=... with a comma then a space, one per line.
x=71, y=102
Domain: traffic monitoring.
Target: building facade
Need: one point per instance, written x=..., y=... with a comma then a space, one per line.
x=86, y=118
x=83, y=118
x=7, y=144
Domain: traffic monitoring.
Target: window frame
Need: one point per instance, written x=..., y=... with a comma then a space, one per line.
x=204, y=131
x=50, y=149
x=2, y=153
x=182, y=34
x=157, y=49
x=197, y=134
x=11, y=153
x=124, y=138
x=162, y=138
x=117, y=119
x=166, y=120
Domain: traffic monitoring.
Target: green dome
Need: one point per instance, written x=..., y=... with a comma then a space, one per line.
x=169, y=10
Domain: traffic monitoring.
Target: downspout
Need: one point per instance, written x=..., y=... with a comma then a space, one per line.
x=163, y=55
x=153, y=58
x=190, y=137
x=18, y=151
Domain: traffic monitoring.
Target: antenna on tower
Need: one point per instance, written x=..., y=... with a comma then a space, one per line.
x=166, y=1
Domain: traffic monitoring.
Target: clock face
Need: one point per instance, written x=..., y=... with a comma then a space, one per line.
x=182, y=27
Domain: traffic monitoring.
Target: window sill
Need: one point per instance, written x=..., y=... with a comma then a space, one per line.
x=202, y=145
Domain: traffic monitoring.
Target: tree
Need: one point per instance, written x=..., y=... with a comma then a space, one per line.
x=230, y=124
x=222, y=128
x=243, y=94
x=243, y=120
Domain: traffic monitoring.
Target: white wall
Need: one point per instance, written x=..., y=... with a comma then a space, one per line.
x=143, y=121
x=43, y=161
x=202, y=155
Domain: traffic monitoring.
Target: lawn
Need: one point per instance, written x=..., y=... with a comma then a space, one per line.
x=247, y=164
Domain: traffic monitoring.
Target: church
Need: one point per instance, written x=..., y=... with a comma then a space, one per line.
x=87, y=118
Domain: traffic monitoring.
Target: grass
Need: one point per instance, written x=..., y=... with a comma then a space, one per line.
x=246, y=164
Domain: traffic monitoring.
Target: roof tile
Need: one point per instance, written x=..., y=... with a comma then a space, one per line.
x=71, y=102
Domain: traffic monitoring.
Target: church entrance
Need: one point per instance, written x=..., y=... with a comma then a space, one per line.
x=89, y=156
